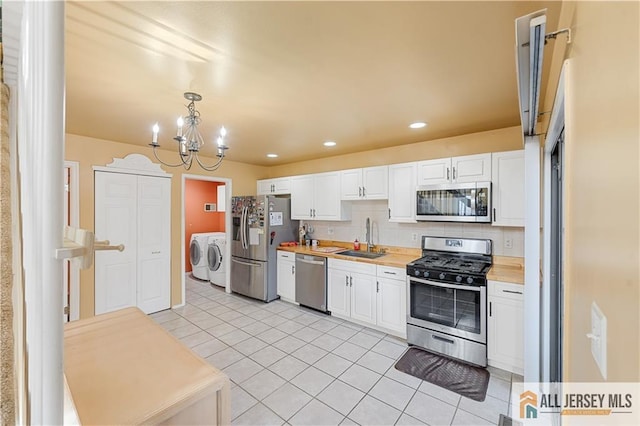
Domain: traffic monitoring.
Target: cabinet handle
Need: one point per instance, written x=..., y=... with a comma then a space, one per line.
x=346, y=280
x=390, y=273
x=350, y=281
x=314, y=212
x=512, y=291
x=363, y=192
x=310, y=212
x=377, y=287
x=448, y=174
x=293, y=269
x=359, y=191
x=389, y=213
x=494, y=214
x=156, y=252
x=454, y=173
x=490, y=310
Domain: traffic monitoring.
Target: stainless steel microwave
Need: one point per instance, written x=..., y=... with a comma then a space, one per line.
x=454, y=202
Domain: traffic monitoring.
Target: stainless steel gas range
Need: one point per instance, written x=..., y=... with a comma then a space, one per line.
x=447, y=298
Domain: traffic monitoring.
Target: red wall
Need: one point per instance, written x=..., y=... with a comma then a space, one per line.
x=196, y=194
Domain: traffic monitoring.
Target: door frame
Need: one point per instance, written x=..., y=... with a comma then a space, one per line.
x=227, y=230
x=555, y=129
x=74, y=221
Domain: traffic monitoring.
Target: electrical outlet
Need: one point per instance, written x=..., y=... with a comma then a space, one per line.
x=598, y=338
x=508, y=243
x=414, y=237
x=330, y=231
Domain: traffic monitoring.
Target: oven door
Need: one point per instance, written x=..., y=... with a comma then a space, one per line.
x=453, y=309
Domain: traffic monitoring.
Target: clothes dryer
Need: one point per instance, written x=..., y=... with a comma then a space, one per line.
x=216, y=258
x=198, y=255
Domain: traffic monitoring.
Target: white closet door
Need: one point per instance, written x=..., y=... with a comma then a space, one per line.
x=115, y=220
x=154, y=243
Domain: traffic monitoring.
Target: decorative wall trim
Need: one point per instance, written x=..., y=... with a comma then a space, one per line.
x=136, y=164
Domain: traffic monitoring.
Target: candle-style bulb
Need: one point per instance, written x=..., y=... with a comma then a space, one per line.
x=220, y=142
x=155, y=129
x=223, y=132
x=180, y=124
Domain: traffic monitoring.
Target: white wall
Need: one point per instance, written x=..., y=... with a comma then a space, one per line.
x=400, y=234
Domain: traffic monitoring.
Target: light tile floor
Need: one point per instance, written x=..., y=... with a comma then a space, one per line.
x=292, y=365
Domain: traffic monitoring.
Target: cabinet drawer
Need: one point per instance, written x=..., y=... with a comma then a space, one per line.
x=286, y=255
x=506, y=290
x=356, y=267
x=391, y=272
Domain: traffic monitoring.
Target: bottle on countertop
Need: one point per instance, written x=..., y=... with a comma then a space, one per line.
x=356, y=244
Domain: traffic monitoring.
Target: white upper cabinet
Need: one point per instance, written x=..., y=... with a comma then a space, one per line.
x=468, y=168
x=402, y=192
x=275, y=186
x=317, y=197
x=370, y=183
x=508, y=188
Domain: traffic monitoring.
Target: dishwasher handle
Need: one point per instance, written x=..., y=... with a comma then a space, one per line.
x=310, y=262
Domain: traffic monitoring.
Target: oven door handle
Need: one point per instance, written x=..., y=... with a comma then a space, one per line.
x=436, y=284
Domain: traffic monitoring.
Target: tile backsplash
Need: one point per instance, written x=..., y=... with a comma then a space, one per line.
x=402, y=234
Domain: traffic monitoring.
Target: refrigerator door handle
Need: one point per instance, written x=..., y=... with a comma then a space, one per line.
x=245, y=263
x=244, y=227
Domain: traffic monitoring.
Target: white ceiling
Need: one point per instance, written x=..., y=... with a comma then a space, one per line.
x=283, y=77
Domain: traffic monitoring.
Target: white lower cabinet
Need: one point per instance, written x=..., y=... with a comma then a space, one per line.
x=363, y=293
x=392, y=299
x=286, y=279
x=351, y=290
x=505, y=326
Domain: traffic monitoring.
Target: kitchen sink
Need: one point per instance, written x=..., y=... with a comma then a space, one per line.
x=364, y=254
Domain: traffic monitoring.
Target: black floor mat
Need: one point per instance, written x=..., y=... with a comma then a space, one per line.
x=450, y=374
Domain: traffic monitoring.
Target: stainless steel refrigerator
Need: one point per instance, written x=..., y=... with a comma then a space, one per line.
x=260, y=224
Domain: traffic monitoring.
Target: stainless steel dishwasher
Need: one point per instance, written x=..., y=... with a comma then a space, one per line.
x=311, y=281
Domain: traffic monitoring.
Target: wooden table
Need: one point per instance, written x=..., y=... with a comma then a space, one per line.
x=123, y=368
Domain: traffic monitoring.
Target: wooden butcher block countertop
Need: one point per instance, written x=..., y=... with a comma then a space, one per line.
x=507, y=269
x=122, y=368
x=395, y=256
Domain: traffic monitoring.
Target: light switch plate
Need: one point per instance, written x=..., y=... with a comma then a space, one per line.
x=598, y=338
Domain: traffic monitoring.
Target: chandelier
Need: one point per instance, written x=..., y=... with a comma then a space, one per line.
x=189, y=140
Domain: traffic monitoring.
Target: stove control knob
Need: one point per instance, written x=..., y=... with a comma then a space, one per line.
x=416, y=273
x=469, y=280
x=442, y=276
x=426, y=274
x=459, y=278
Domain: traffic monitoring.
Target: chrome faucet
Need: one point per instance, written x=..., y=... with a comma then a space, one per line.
x=369, y=236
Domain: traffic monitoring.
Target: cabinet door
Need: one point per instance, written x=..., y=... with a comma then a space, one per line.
x=265, y=187
x=375, y=183
x=392, y=304
x=154, y=244
x=301, y=197
x=432, y=172
x=505, y=331
x=471, y=168
x=351, y=184
x=286, y=278
x=363, y=297
x=402, y=192
x=115, y=220
x=338, y=292
x=281, y=186
x=326, y=202
x=507, y=171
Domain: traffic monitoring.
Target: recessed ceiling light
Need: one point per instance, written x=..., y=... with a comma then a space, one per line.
x=329, y=143
x=418, y=125
x=272, y=155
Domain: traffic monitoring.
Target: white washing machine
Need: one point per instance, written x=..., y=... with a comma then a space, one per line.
x=198, y=255
x=216, y=253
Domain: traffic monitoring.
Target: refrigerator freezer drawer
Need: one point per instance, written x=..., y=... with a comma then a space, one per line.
x=249, y=278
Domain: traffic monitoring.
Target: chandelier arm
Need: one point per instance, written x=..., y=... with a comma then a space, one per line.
x=212, y=167
x=167, y=164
